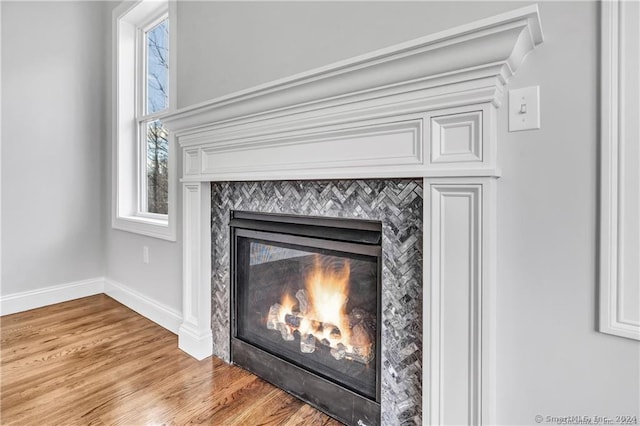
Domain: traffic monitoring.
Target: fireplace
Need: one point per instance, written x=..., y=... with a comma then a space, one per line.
x=348, y=134
x=360, y=215
x=306, y=308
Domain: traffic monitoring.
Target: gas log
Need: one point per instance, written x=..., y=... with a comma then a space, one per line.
x=272, y=318
x=362, y=324
x=303, y=302
x=292, y=320
x=307, y=344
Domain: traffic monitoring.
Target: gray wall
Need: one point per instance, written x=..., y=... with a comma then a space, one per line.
x=550, y=359
x=53, y=197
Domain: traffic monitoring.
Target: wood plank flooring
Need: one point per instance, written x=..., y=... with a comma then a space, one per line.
x=92, y=361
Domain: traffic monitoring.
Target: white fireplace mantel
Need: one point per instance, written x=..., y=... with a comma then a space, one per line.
x=425, y=108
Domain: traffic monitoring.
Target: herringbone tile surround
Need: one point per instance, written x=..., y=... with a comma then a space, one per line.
x=397, y=203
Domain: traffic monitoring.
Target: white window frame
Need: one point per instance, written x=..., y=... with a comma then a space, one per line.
x=130, y=20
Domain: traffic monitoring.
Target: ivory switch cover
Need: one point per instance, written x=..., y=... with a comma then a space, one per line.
x=524, y=108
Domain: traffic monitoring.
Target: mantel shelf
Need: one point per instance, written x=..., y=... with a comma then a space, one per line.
x=398, y=111
x=483, y=54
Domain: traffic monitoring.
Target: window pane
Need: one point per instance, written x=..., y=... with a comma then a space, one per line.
x=157, y=170
x=158, y=67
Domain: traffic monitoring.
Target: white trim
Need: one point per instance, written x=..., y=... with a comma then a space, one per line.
x=195, y=336
x=488, y=304
x=449, y=146
x=334, y=122
x=499, y=43
x=32, y=299
x=149, y=308
x=619, y=248
x=125, y=156
x=144, y=226
x=1, y=210
x=463, y=242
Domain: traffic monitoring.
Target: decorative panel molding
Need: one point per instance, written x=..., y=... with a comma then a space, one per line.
x=375, y=146
x=192, y=161
x=620, y=170
x=459, y=256
x=456, y=138
x=461, y=140
x=194, y=335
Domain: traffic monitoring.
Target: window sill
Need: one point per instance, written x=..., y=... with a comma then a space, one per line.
x=151, y=227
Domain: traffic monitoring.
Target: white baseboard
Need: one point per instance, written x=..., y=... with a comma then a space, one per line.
x=191, y=341
x=155, y=311
x=151, y=309
x=26, y=300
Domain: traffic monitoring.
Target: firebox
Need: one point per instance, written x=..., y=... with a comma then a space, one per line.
x=305, y=306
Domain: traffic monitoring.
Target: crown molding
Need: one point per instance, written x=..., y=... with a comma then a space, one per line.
x=464, y=65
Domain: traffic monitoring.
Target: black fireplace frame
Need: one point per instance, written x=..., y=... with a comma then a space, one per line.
x=353, y=236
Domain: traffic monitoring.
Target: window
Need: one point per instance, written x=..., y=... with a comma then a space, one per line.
x=144, y=163
x=154, y=137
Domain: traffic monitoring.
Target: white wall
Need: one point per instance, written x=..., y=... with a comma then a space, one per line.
x=551, y=361
x=53, y=123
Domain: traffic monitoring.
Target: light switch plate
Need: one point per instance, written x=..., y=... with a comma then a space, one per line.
x=524, y=108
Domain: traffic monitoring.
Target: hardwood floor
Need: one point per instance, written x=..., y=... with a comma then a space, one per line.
x=93, y=361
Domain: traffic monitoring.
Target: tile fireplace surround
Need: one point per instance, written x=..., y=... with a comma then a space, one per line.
x=397, y=203
x=423, y=110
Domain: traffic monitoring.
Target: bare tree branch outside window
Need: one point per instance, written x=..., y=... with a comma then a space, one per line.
x=157, y=99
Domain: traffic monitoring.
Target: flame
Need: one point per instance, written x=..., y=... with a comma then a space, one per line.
x=287, y=303
x=328, y=290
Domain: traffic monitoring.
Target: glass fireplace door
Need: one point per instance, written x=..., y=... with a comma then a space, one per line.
x=313, y=302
